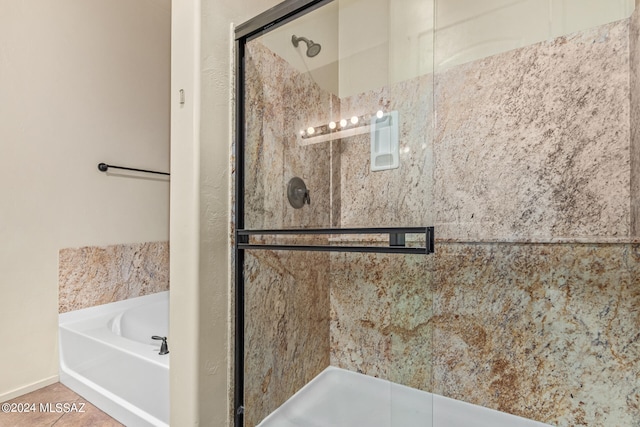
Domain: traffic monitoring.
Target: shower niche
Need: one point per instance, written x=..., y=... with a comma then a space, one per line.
x=333, y=213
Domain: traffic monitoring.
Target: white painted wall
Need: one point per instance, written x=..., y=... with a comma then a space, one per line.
x=81, y=82
x=185, y=225
x=368, y=44
x=200, y=211
x=321, y=26
x=468, y=29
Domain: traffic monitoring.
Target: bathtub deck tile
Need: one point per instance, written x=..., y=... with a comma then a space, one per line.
x=47, y=416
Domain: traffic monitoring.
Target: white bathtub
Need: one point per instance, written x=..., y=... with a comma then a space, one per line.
x=108, y=357
x=340, y=398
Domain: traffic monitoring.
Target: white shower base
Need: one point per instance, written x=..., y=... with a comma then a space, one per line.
x=341, y=398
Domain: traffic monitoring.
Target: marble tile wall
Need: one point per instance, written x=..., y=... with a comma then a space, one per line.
x=395, y=197
x=95, y=275
x=534, y=143
x=286, y=293
x=280, y=101
x=634, y=82
x=286, y=326
x=544, y=331
x=381, y=316
x=530, y=145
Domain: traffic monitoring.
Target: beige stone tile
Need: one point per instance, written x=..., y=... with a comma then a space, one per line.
x=42, y=411
x=28, y=419
x=91, y=416
x=94, y=275
x=56, y=392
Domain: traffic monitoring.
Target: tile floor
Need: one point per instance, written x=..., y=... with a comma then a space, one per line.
x=47, y=414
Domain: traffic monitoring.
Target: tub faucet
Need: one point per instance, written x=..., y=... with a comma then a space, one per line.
x=164, y=347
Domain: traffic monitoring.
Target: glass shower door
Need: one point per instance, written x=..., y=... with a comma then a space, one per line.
x=537, y=274
x=337, y=142
x=288, y=88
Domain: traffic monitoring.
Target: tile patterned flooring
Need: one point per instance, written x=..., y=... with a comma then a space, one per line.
x=67, y=415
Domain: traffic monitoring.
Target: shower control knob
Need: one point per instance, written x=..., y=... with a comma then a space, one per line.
x=297, y=193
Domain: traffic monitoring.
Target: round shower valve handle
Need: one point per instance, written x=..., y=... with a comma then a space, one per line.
x=297, y=193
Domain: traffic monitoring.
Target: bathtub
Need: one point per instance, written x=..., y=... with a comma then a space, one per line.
x=337, y=397
x=108, y=357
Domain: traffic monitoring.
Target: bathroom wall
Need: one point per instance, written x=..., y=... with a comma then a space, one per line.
x=287, y=292
x=537, y=285
x=287, y=326
x=277, y=108
x=545, y=331
x=381, y=316
x=634, y=82
x=535, y=141
x=531, y=306
x=394, y=197
x=468, y=30
x=201, y=307
x=95, y=275
x=381, y=304
x=82, y=83
x=400, y=34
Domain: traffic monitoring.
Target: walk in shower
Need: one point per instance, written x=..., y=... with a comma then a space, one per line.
x=434, y=204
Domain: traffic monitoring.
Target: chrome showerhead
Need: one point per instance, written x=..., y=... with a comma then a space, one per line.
x=312, y=48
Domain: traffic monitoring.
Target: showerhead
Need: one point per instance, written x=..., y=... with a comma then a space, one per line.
x=312, y=48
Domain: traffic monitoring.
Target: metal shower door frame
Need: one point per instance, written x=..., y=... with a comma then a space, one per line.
x=275, y=17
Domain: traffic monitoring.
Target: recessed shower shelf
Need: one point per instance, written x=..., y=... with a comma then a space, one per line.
x=396, y=238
